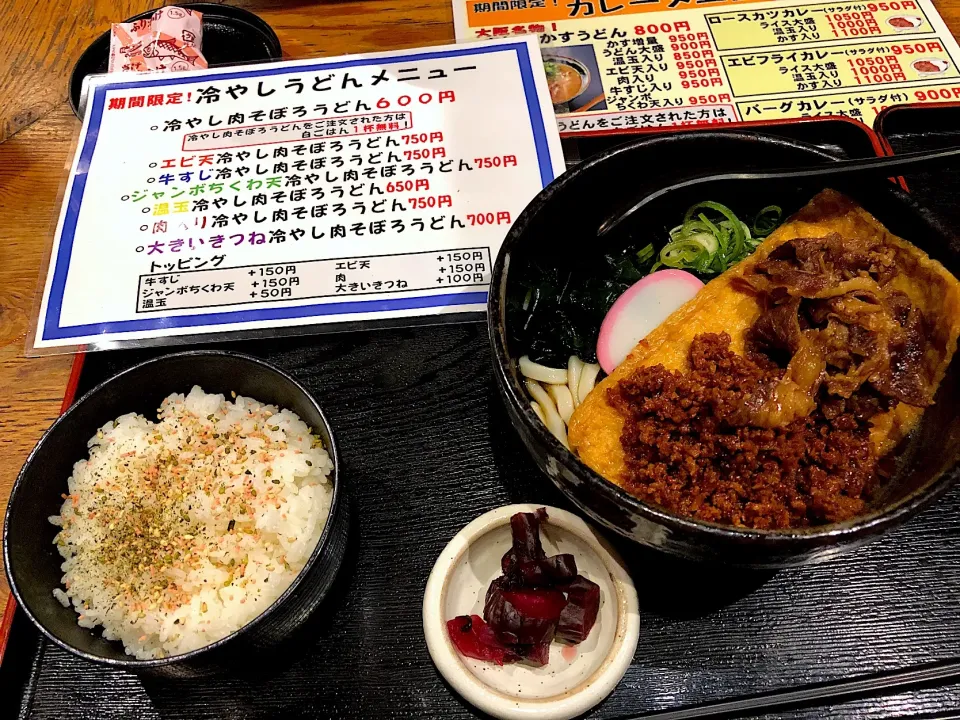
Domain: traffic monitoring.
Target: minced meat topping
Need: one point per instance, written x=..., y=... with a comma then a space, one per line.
x=780, y=437
x=688, y=451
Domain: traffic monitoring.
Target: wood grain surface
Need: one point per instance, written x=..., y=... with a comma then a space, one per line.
x=39, y=43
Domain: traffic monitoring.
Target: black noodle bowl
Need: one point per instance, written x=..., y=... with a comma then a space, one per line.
x=546, y=229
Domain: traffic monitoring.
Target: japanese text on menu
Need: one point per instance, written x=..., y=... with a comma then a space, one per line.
x=297, y=193
x=647, y=63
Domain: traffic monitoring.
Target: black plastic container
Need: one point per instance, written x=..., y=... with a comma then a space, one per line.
x=231, y=36
x=32, y=560
x=549, y=229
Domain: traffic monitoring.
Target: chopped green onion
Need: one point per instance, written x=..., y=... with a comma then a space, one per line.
x=712, y=239
x=767, y=220
x=645, y=254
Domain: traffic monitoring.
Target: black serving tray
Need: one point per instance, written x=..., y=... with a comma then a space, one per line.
x=426, y=447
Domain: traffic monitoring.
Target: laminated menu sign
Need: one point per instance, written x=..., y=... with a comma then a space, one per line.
x=365, y=188
x=615, y=64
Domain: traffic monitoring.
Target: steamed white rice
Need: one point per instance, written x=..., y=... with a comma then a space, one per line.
x=177, y=533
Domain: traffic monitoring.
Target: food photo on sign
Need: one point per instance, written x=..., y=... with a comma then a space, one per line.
x=403, y=371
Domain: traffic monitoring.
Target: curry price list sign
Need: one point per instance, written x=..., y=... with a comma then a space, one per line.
x=368, y=188
x=627, y=64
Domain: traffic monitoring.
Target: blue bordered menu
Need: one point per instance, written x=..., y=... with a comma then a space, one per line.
x=366, y=188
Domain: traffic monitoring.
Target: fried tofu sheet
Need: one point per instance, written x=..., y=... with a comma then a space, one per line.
x=721, y=306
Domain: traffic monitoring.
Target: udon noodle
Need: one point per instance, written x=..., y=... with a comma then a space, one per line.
x=557, y=392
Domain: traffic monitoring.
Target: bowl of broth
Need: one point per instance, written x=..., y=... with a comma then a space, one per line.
x=567, y=78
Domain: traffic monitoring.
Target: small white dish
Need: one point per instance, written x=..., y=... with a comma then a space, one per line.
x=577, y=677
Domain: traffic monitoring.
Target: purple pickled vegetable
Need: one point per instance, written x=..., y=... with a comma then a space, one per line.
x=538, y=655
x=560, y=568
x=508, y=563
x=544, y=573
x=536, y=600
x=578, y=584
x=498, y=585
x=534, y=621
x=580, y=613
x=526, y=563
x=475, y=639
x=536, y=603
x=532, y=573
x=525, y=528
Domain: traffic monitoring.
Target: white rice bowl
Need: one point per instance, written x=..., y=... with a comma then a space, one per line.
x=177, y=533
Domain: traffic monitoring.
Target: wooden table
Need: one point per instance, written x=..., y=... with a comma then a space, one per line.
x=39, y=45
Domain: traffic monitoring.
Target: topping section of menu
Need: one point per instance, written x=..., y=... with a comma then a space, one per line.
x=615, y=64
x=365, y=188
x=310, y=279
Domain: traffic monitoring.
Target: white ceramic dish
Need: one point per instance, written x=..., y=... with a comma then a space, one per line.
x=577, y=677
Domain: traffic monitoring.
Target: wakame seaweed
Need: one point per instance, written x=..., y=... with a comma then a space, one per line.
x=559, y=311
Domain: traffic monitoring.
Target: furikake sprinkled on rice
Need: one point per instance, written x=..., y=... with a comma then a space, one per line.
x=177, y=533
